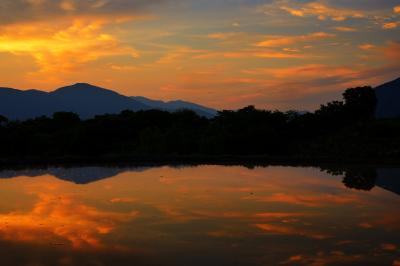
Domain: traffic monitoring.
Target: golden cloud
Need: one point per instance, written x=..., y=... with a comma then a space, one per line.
x=367, y=46
x=390, y=25
x=320, y=10
x=61, y=220
x=277, y=41
x=345, y=29
x=64, y=46
x=305, y=71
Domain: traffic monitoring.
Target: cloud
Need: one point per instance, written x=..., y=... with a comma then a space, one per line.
x=289, y=230
x=310, y=201
x=390, y=25
x=396, y=9
x=318, y=9
x=223, y=35
x=345, y=29
x=367, y=46
x=325, y=258
x=389, y=247
x=278, y=41
x=392, y=51
x=65, y=46
x=305, y=71
x=62, y=220
x=16, y=11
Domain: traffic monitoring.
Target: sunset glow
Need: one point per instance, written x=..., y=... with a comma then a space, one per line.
x=136, y=213
x=286, y=54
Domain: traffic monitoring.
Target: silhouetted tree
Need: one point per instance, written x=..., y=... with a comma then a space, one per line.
x=66, y=118
x=339, y=129
x=361, y=179
x=3, y=120
x=360, y=102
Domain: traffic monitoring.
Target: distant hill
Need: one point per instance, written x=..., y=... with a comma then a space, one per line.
x=78, y=175
x=176, y=105
x=388, y=99
x=84, y=99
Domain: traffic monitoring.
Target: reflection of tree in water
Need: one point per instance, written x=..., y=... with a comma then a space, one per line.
x=361, y=179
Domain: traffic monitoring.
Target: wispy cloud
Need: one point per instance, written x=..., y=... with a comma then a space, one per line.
x=16, y=11
x=390, y=25
x=279, y=41
x=345, y=29
x=318, y=9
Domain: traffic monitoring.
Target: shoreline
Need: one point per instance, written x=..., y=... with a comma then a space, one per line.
x=191, y=160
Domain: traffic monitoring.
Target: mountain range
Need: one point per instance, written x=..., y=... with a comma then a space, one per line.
x=84, y=99
x=388, y=99
x=88, y=101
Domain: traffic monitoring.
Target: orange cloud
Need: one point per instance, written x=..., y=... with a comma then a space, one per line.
x=345, y=29
x=324, y=258
x=320, y=10
x=68, y=5
x=287, y=53
x=287, y=230
x=310, y=201
x=392, y=51
x=305, y=71
x=277, y=41
x=61, y=220
x=223, y=35
x=367, y=46
x=61, y=47
x=389, y=247
x=390, y=25
x=396, y=9
x=278, y=215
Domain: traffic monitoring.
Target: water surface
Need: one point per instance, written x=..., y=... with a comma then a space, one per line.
x=207, y=215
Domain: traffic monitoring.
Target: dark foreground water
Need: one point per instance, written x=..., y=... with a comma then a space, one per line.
x=208, y=215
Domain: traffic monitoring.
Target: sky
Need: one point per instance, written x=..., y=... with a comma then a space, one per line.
x=227, y=54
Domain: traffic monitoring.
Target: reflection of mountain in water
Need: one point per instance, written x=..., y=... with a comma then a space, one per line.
x=389, y=179
x=355, y=178
x=367, y=178
x=81, y=175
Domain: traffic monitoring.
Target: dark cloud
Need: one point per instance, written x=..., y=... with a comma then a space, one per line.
x=13, y=11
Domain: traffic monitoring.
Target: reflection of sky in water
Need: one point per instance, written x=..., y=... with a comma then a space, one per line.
x=209, y=215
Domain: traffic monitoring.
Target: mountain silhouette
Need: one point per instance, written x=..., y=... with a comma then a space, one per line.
x=389, y=179
x=77, y=175
x=83, y=99
x=176, y=105
x=388, y=99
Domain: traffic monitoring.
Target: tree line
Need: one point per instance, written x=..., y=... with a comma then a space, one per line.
x=338, y=129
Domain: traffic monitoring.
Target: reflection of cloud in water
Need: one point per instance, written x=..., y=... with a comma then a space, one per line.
x=309, y=200
x=325, y=258
x=292, y=231
x=299, y=215
x=61, y=220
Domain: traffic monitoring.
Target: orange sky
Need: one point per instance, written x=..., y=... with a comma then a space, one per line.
x=286, y=54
